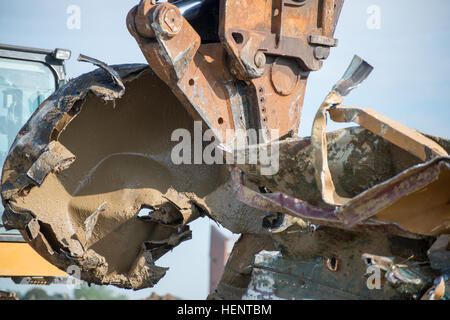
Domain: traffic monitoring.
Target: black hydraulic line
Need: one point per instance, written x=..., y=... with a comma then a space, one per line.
x=191, y=9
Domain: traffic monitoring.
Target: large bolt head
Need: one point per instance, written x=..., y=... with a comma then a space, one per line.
x=169, y=19
x=260, y=59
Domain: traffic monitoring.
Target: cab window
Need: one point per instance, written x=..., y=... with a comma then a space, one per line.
x=24, y=85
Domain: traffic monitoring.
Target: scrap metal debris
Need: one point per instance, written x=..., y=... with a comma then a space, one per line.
x=92, y=184
x=380, y=199
x=113, y=73
x=4, y=295
x=117, y=169
x=79, y=174
x=394, y=273
x=436, y=292
x=155, y=296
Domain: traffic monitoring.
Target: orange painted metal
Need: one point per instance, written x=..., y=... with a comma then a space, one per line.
x=197, y=75
x=255, y=78
x=20, y=260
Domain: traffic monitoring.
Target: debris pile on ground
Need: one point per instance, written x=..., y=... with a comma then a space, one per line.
x=4, y=295
x=155, y=296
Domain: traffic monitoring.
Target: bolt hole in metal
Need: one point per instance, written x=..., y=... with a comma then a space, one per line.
x=333, y=264
x=263, y=189
x=238, y=37
x=273, y=220
x=220, y=120
x=191, y=82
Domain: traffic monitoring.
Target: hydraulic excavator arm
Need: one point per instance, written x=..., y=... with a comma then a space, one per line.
x=255, y=74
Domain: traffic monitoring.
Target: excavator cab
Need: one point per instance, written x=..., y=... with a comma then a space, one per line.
x=28, y=76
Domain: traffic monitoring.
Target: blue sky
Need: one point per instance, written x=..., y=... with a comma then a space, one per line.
x=410, y=82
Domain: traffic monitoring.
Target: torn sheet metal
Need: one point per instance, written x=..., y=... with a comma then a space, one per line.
x=114, y=74
x=410, y=140
x=408, y=187
x=85, y=215
x=85, y=212
x=358, y=160
x=401, y=200
x=356, y=73
x=387, y=185
x=280, y=202
x=54, y=158
x=320, y=159
x=436, y=292
x=393, y=131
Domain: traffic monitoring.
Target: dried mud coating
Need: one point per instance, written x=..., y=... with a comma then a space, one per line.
x=123, y=164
